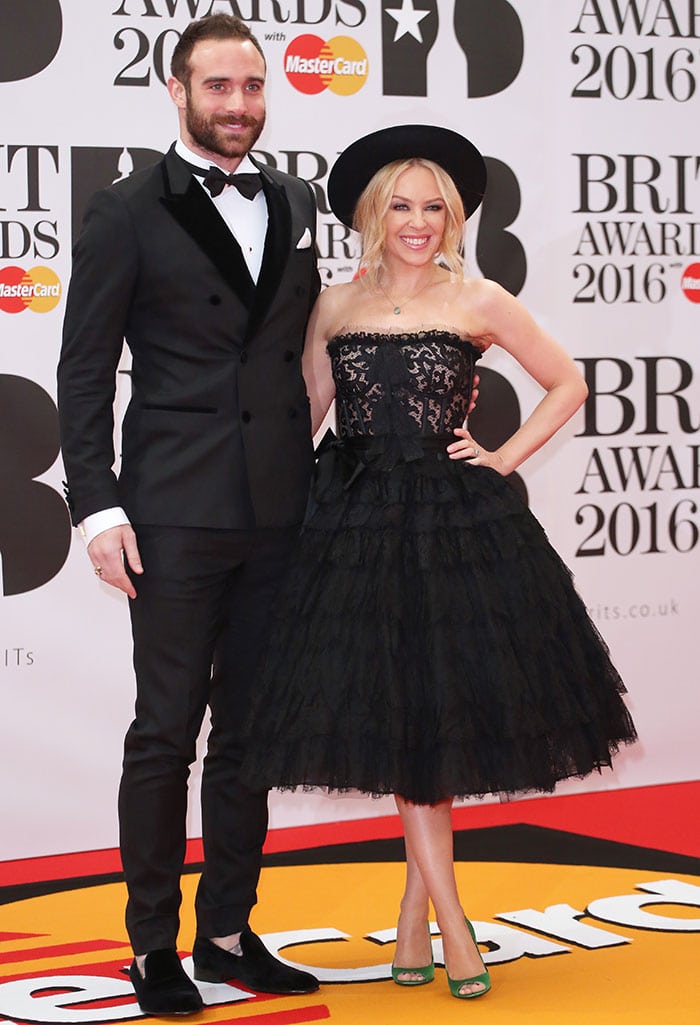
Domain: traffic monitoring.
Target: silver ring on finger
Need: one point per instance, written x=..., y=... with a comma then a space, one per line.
x=476, y=452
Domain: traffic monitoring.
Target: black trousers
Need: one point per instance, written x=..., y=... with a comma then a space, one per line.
x=198, y=624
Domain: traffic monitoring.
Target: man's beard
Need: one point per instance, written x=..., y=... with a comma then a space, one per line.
x=204, y=131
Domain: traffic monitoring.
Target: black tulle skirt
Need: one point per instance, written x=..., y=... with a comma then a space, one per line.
x=428, y=641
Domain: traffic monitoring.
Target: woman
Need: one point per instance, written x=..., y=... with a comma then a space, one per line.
x=429, y=642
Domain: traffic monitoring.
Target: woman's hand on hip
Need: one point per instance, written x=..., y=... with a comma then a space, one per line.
x=470, y=451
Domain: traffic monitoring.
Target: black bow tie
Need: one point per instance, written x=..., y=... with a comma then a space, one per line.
x=215, y=179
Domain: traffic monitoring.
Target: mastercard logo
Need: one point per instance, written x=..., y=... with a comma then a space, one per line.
x=690, y=282
x=38, y=289
x=312, y=65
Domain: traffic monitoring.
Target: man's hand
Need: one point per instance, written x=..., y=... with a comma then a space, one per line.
x=108, y=552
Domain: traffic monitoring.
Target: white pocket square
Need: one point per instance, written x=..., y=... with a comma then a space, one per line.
x=305, y=240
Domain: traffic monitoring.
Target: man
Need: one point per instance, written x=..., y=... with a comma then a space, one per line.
x=211, y=289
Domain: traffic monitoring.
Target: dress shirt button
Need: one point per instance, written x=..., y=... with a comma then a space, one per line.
x=215, y=300
x=244, y=356
x=246, y=416
x=288, y=356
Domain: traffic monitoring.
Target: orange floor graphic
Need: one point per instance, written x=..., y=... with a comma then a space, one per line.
x=585, y=913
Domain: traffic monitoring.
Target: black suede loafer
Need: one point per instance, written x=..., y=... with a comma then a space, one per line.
x=255, y=967
x=164, y=988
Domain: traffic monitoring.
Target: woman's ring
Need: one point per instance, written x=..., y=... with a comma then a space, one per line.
x=476, y=452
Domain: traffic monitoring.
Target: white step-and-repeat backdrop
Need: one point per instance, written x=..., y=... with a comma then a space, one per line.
x=587, y=111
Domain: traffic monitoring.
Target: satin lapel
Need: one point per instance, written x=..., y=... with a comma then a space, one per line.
x=277, y=243
x=193, y=210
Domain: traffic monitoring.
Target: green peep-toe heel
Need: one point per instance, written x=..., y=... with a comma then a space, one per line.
x=427, y=973
x=484, y=978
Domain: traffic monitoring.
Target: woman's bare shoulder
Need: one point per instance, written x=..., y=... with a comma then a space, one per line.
x=482, y=293
x=336, y=303
x=345, y=291
x=476, y=301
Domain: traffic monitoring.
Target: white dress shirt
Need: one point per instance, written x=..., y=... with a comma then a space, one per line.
x=246, y=218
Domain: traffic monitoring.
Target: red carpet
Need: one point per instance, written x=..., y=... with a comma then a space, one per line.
x=587, y=908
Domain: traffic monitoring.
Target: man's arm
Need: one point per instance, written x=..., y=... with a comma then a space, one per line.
x=98, y=303
x=97, y=307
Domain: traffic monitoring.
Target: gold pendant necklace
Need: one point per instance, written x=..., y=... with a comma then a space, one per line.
x=398, y=306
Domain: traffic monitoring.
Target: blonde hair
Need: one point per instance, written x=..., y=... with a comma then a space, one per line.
x=374, y=203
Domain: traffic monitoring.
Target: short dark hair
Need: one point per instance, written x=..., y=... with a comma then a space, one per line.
x=212, y=26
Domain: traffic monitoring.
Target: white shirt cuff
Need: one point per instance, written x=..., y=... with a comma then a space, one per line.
x=97, y=522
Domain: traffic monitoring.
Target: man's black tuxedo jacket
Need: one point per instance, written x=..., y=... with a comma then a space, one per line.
x=217, y=433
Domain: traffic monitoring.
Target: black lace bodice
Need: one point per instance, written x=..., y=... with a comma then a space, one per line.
x=414, y=382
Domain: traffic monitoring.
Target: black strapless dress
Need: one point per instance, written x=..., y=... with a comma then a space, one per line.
x=428, y=640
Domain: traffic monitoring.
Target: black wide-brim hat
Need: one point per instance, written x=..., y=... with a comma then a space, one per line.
x=357, y=165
